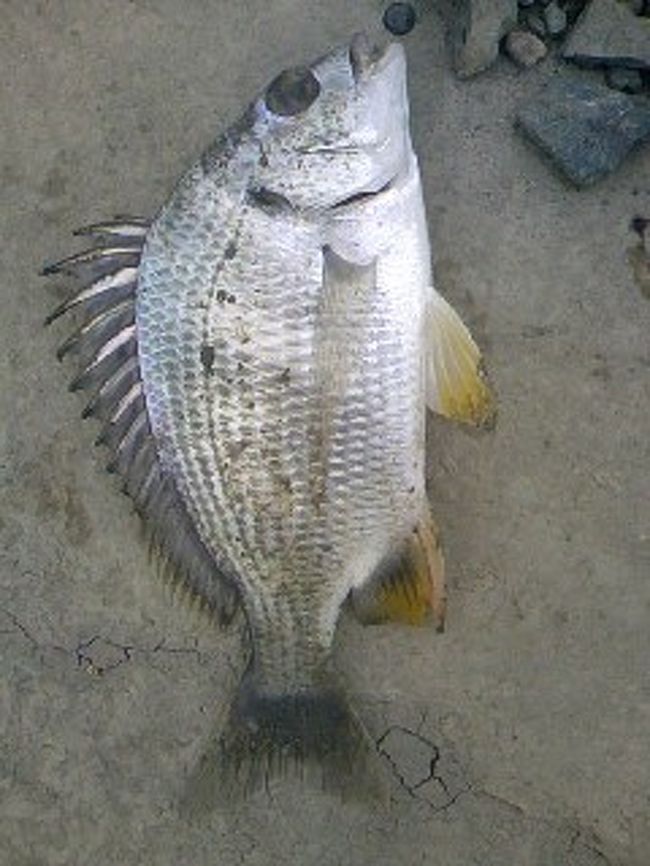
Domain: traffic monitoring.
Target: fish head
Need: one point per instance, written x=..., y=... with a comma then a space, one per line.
x=336, y=129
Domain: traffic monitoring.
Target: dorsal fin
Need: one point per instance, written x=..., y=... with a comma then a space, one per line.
x=106, y=343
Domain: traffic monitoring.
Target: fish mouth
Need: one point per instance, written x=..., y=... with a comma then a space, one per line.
x=365, y=195
x=369, y=58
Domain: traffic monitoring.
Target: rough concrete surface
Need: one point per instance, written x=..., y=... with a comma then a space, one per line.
x=521, y=735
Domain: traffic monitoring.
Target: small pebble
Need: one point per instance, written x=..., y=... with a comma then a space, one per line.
x=524, y=48
x=555, y=19
x=399, y=18
x=626, y=80
x=536, y=24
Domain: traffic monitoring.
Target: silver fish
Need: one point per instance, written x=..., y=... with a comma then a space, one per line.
x=262, y=355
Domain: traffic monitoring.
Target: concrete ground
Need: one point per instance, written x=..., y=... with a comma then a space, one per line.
x=521, y=735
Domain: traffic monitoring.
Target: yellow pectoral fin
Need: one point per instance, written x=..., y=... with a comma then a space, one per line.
x=456, y=385
x=409, y=586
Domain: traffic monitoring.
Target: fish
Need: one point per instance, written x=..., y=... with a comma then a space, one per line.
x=262, y=354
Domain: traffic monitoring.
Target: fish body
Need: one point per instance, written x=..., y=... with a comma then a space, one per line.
x=282, y=342
x=287, y=374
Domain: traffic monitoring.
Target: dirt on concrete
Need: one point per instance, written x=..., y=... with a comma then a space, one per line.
x=519, y=736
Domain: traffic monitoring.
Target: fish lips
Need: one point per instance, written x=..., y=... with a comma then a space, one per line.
x=366, y=195
x=368, y=59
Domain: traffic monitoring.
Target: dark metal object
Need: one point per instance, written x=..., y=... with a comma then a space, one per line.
x=399, y=19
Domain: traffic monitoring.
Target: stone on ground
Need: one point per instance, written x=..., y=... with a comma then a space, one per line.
x=555, y=19
x=477, y=29
x=524, y=48
x=586, y=129
x=608, y=33
x=626, y=80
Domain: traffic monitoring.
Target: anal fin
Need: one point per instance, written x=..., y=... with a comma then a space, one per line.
x=409, y=586
x=456, y=385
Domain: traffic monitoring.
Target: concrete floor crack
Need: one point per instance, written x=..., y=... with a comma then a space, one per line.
x=431, y=775
x=19, y=626
x=88, y=651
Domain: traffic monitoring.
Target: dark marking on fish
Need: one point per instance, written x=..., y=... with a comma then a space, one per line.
x=231, y=250
x=268, y=200
x=236, y=449
x=217, y=155
x=207, y=359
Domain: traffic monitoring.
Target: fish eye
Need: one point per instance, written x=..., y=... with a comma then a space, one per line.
x=292, y=92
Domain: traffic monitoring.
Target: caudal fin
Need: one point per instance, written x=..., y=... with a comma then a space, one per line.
x=312, y=737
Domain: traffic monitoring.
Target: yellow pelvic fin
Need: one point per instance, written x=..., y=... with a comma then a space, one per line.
x=456, y=384
x=409, y=585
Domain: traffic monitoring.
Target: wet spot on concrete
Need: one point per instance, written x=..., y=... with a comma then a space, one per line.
x=601, y=370
x=57, y=498
x=9, y=175
x=639, y=257
x=447, y=275
x=639, y=261
x=55, y=184
x=78, y=525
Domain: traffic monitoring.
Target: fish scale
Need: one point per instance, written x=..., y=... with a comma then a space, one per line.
x=228, y=410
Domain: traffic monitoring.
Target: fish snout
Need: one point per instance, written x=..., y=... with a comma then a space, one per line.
x=364, y=55
x=370, y=59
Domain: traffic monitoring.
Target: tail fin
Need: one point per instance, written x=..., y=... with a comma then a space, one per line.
x=311, y=737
